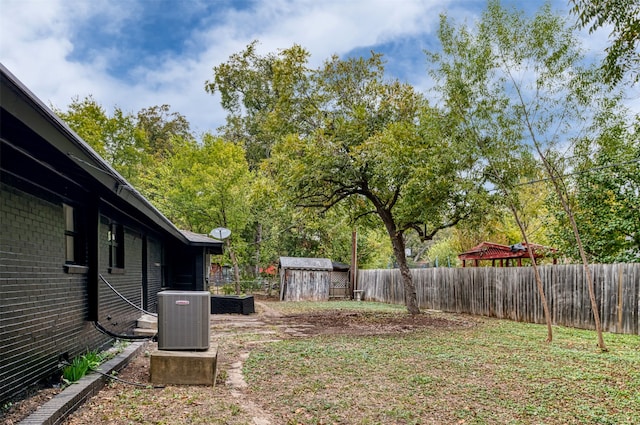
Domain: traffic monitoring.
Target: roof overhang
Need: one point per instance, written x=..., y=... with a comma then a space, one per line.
x=17, y=100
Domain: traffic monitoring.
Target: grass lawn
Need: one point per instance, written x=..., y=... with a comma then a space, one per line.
x=494, y=372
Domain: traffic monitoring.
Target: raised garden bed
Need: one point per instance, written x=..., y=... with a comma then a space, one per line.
x=232, y=304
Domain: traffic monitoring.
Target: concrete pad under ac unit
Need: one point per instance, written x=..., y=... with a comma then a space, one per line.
x=184, y=367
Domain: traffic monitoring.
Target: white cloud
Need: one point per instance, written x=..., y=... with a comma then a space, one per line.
x=37, y=41
x=37, y=44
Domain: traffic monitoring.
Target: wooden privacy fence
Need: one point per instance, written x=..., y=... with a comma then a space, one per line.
x=511, y=293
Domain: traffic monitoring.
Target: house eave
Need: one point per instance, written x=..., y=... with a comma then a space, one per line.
x=17, y=100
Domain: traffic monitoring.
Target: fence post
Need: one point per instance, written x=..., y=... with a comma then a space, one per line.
x=620, y=298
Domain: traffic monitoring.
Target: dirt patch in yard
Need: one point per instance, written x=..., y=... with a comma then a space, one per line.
x=371, y=323
x=228, y=402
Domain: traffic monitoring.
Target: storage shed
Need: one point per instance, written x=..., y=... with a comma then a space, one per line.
x=305, y=279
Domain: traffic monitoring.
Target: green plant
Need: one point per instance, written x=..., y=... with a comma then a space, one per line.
x=76, y=369
x=228, y=289
x=247, y=286
x=80, y=365
x=94, y=359
x=118, y=347
x=235, y=410
x=6, y=407
x=221, y=378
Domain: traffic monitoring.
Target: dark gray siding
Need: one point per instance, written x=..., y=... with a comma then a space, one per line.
x=114, y=313
x=43, y=310
x=154, y=273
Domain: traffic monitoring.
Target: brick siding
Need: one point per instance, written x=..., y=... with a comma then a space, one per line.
x=43, y=309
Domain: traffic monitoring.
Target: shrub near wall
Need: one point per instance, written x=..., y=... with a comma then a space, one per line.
x=511, y=293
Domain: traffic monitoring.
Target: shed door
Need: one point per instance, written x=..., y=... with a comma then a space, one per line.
x=339, y=285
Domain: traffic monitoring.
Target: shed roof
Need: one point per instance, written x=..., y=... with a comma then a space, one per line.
x=340, y=267
x=302, y=263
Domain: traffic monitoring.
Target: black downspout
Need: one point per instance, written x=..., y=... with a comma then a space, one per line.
x=93, y=251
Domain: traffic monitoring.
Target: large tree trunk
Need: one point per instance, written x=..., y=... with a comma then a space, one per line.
x=397, y=242
x=410, y=295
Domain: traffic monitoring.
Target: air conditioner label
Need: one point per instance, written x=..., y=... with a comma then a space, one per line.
x=182, y=302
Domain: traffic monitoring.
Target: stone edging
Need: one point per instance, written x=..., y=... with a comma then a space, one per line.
x=63, y=404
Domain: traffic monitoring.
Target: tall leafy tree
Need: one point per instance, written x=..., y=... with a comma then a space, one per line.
x=383, y=149
x=114, y=137
x=203, y=186
x=198, y=185
x=606, y=191
x=264, y=98
x=163, y=131
x=291, y=231
x=468, y=73
x=131, y=143
x=522, y=81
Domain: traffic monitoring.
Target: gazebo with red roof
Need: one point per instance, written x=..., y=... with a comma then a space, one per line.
x=494, y=251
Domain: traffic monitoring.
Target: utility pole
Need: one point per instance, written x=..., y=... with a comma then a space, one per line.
x=354, y=261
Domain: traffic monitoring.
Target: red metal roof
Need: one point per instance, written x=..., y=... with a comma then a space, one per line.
x=496, y=251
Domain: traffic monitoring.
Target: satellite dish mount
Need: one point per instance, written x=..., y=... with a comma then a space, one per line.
x=220, y=233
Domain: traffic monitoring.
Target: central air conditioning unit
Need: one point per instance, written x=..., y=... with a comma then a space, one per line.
x=183, y=320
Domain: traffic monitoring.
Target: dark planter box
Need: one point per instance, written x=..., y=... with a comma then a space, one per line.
x=238, y=304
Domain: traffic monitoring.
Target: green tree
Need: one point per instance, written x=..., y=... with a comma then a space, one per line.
x=382, y=149
x=374, y=248
x=113, y=137
x=264, y=96
x=163, y=131
x=88, y=119
x=291, y=231
x=606, y=192
x=130, y=143
x=519, y=90
x=203, y=186
x=623, y=17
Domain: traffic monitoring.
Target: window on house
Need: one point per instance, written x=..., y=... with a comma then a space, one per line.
x=75, y=257
x=69, y=234
x=73, y=236
x=116, y=246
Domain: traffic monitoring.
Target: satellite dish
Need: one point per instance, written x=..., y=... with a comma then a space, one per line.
x=220, y=233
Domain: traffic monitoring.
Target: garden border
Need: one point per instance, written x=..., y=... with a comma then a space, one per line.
x=66, y=402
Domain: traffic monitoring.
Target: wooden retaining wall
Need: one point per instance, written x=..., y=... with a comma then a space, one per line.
x=511, y=293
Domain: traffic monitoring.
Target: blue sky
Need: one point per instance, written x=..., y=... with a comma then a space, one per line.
x=133, y=54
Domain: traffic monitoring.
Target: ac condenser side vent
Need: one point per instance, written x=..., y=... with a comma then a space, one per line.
x=183, y=320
